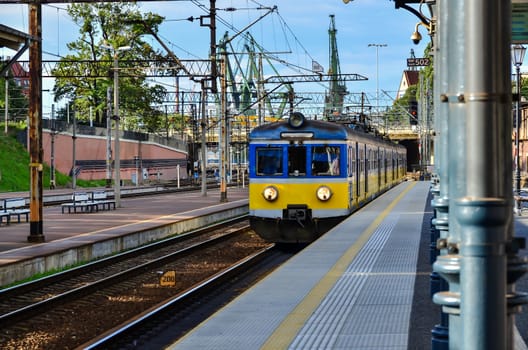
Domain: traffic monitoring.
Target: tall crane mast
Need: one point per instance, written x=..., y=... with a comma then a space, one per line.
x=337, y=87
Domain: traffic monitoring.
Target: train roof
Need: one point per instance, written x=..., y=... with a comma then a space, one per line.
x=320, y=130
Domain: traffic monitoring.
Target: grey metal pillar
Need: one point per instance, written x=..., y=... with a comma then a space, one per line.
x=439, y=185
x=485, y=211
x=452, y=14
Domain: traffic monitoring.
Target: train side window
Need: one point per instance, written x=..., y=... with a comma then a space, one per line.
x=297, y=161
x=325, y=161
x=269, y=161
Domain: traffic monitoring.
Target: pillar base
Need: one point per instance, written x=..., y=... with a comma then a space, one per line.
x=36, y=232
x=440, y=338
x=36, y=239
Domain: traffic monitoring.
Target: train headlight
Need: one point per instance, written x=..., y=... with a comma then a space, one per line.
x=270, y=193
x=323, y=193
x=296, y=120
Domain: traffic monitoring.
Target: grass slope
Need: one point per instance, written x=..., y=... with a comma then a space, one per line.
x=14, y=168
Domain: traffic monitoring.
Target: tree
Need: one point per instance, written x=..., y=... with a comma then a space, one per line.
x=115, y=25
x=17, y=102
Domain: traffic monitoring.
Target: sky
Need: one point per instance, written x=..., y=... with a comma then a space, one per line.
x=296, y=32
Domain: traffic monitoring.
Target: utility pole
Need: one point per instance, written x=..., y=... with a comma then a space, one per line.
x=117, y=156
x=203, y=125
x=36, y=230
x=224, y=139
x=74, y=154
x=109, y=137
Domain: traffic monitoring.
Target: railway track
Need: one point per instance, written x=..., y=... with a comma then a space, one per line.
x=70, y=308
x=164, y=324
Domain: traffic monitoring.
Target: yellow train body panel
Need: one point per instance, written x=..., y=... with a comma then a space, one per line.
x=299, y=193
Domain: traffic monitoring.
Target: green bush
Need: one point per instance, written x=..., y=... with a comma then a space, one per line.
x=14, y=167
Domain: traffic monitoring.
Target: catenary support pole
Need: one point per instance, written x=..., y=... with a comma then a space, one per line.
x=117, y=155
x=36, y=229
x=108, y=175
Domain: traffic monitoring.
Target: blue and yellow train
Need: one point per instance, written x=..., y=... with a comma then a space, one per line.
x=306, y=176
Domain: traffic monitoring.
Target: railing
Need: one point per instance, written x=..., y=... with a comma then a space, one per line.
x=81, y=129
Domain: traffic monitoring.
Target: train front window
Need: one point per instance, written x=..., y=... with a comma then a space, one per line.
x=297, y=161
x=269, y=161
x=325, y=161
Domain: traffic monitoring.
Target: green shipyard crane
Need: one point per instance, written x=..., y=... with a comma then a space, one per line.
x=337, y=87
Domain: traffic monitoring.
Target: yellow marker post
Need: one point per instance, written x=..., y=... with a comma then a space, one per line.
x=168, y=279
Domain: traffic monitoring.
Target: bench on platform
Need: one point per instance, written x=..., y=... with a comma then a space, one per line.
x=14, y=207
x=101, y=200
x=5, y=215
x=81, y=201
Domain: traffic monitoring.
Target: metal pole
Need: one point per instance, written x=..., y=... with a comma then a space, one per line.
x=377, y=80
x=439, y=185
x=377, y=46
x=117, y=165
x=6, y=99
x=223, y=132
x=109, y=138
x=484, y=211
x=204, y=141
x=182, y=116
x=450, y=121
x=517, y=153
x=74, y=138
x=178, y=175
x=36, y=226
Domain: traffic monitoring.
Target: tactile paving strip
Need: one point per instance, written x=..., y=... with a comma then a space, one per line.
x=370, y=305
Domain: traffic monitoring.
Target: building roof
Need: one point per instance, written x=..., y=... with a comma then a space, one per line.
x=409, y=78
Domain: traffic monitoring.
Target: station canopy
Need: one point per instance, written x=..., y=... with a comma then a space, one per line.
x=14, y=40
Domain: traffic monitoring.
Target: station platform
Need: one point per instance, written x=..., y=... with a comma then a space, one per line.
x=363, y=285
x=80, y=237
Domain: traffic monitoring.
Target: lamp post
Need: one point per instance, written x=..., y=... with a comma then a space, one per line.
x=518, y=52
x=117, y=159
x=377, y=46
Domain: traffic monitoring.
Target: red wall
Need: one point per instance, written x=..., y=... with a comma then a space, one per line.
x=94, y=148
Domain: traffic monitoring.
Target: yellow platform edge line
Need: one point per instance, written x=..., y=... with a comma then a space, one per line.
x=285, y=333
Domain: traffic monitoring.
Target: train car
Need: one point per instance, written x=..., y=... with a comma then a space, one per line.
x=306, y=176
